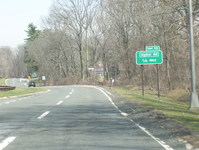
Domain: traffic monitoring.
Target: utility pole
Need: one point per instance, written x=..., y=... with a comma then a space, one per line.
x=194, y=104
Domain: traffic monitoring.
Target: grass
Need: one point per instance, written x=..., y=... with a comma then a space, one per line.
x=2, y=82
x=176, y=110
x=20, y=91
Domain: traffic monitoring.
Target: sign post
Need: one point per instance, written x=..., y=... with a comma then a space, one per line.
x=142, y=67
x=158, y=81
x=152, y=55
x=43, y=78
x=194, y=103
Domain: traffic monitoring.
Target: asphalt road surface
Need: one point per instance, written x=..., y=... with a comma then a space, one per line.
x=18, y=82
x=73, y=118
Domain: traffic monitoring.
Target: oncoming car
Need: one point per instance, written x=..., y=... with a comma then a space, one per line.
x=31, y=83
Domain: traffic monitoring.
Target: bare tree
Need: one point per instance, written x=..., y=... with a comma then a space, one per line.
x=76, y=17
x=7, y=62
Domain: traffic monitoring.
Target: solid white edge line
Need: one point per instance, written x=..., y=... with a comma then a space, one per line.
x=122, y=113
x=162, y=143
x=59, y=103
x=6, y=142
x=43, y=115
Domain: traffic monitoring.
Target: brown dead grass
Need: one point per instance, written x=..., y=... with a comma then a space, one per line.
x=179, y=95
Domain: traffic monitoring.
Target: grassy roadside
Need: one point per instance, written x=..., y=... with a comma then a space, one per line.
x=176, y=110
x=173, y=109
x=20, y=91
x=2, y=82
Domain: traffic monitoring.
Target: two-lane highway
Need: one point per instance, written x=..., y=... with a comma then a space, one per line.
x=72, y=118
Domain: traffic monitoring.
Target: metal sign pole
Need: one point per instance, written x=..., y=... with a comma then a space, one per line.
x=158, y=80
x=142, y=67
x=194, y=95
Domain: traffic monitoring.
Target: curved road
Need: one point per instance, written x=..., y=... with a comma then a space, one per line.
x=73, y=118
x=18, y=82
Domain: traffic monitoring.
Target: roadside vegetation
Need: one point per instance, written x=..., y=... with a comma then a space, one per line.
x=80, y=39
x=2, y=82
x=20, y=91
x=175, y=108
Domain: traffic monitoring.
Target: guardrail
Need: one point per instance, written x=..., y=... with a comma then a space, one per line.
x=7, y=88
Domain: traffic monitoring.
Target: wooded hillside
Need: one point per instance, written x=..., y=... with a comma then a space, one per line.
x=95, y=34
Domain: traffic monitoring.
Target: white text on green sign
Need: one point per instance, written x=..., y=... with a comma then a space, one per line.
x=150, y=54
x=152, y=48
x=149, y=57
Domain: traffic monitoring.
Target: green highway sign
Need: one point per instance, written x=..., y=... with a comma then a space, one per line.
x=149, y=57
x=152, y=48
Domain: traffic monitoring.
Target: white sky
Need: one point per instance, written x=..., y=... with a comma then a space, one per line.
x=15, y=15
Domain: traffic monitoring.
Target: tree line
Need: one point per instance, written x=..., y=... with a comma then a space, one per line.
x=78, y=35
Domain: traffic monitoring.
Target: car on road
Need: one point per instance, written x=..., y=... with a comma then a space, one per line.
x=31, y=83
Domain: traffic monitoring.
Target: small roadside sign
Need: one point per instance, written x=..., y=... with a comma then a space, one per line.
x=152, y=48
x=43, y=78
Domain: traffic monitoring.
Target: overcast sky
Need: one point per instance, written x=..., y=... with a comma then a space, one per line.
x=15, y=15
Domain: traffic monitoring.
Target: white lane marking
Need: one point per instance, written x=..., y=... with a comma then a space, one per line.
x=122, y=113
x=59, y=103
x=43, y=115
x=107, y=92
x=71, y=92
x=67, y=96
x=162, y=143
x=6, y=142
x=7, y=103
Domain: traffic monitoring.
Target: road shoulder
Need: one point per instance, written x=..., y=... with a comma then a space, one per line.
x=156, y=122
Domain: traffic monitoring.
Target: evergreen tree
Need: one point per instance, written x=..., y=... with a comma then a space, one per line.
x=32, y=32
x=29, y=60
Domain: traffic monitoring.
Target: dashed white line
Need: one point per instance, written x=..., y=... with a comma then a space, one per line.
x=67, y=96
x=43, y=115
x=162, y=143
x=71, y=92
x=7, y=103
x=6, y=142
x=59, y=103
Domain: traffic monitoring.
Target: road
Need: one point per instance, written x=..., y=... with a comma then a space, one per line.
x=18, y=82
x=73, y=118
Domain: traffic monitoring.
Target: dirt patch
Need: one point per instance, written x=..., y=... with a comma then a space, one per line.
x=192, y=139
